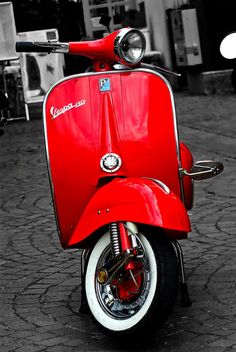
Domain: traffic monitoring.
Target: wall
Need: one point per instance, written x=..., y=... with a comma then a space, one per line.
x=157, y=23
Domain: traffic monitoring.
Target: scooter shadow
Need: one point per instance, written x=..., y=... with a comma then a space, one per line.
x=170, y=335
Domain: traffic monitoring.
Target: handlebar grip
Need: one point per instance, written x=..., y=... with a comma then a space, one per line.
x=30, y=47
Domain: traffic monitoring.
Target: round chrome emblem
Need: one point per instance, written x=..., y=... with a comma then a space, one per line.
x=110, y=162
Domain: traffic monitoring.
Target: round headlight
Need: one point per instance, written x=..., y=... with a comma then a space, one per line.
x=130, y=45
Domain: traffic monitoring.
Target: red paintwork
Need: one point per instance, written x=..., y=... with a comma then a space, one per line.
x=101, y=51
x=124, y=237
x=125, y=243
x=127, y=289
x=135, y=120
x=96, y=49
x=132, y=199
x=187, y=163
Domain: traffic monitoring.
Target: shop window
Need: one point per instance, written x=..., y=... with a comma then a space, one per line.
x=96, y=14
x=94, y=9
x=118, y=14
x=97, y=2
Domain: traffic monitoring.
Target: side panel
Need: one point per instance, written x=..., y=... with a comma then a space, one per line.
x=137, y=200
x=134, y=118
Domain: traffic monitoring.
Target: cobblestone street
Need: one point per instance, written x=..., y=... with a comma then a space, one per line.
x=40, y=282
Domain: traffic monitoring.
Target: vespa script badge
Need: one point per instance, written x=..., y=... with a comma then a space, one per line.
x=55, y=112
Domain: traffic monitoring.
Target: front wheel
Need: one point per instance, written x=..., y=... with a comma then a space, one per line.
x=138, y=299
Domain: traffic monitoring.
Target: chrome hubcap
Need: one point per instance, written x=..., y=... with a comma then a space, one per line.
x=124, y=296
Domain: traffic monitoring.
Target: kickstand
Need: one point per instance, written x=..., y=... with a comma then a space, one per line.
x=84, y=304
x=185, y=300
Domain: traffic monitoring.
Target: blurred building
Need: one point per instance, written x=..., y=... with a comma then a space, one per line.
x=187, y=33
x=212, y=20
x=169, y=28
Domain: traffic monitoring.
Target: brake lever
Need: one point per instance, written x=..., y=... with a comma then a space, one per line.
x=160, y=69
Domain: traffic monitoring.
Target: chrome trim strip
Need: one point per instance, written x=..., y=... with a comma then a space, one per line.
x=118, y=40
x=48, y=167
x=118, y=159
x=86, y=74
x=118, y=44
x=159, y=183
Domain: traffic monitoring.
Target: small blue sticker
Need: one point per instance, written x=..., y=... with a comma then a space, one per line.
x=104, y=84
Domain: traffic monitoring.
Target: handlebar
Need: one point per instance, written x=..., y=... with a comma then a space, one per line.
x=42, y=47
x=87, y=49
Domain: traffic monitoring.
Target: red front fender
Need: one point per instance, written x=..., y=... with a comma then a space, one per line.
x=137, y=200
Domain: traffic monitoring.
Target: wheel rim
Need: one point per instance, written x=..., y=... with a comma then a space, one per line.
x=126, y=294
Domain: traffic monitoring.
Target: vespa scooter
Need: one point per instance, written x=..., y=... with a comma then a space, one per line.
x=121, y=181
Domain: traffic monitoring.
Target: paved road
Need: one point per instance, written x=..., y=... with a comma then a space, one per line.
x=39, y=292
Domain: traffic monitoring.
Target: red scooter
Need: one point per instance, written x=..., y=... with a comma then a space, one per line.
x=121, y=181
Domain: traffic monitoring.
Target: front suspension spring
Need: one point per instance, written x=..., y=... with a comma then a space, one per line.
x=115, y=238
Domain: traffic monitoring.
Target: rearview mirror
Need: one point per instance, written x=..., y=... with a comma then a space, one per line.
x=204, y=169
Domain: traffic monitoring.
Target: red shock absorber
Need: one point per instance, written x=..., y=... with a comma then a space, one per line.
x=125, y=243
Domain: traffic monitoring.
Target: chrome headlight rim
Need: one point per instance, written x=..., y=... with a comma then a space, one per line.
x=118, y=45
x=111, y=169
